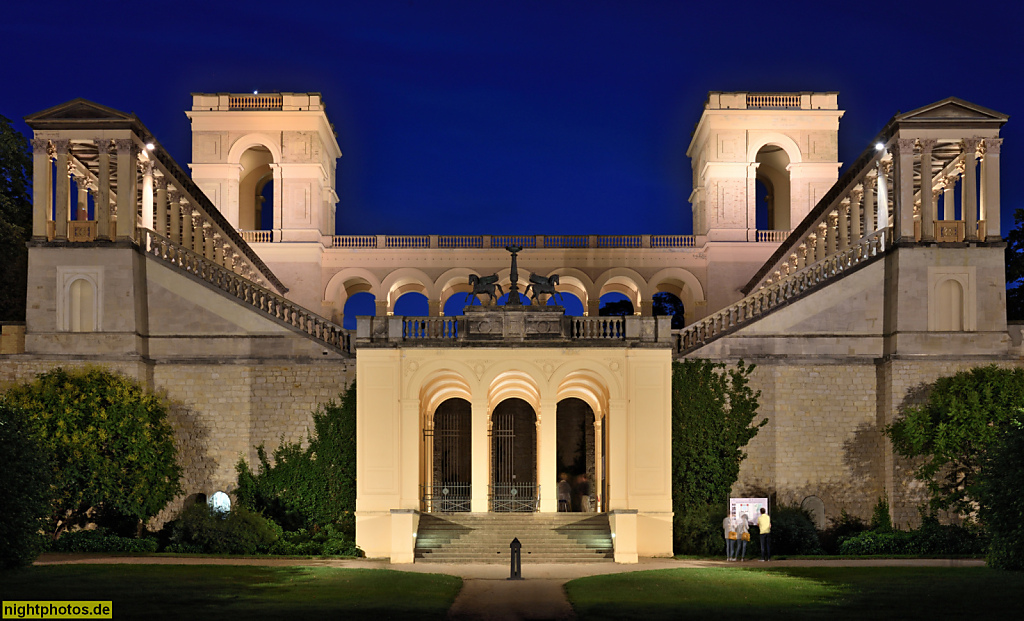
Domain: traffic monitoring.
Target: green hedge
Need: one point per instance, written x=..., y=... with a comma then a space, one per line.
x=240, y=531
x=931, y=539
x=99, y=540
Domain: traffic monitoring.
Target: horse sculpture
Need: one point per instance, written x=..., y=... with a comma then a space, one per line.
x=485, y=284
x=540, y=285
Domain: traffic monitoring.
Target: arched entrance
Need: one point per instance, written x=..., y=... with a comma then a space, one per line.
x=576, y=455
x=514, y=457
x=449, y=467
x=773, y=189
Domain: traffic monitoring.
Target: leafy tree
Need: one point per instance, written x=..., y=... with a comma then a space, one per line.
x=713, y=418
x=309, y=487
x=615, y=308
x=1015, y=268
x=112, y=455
x=15, y=220
x=1000, y=494
x=952, y=431
x=24, y=487
x=668, y=304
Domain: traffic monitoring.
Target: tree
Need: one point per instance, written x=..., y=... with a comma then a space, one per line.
x=15, y=220
x=713, y=414
x=664, y=303
x=615, y=308
x=309, y=487
x=112, y=455
x=1014, y=259
x=964, y=415
x=1000, y=494
x=24, y=487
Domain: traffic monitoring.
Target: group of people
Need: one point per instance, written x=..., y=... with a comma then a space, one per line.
x=737, y=534
x=565, y=490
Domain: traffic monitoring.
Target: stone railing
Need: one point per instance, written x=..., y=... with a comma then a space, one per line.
x=791, y=286
x=601, y=328
x=415, y=242
x=773, y=100
x=772, y=236
x=486, y=325
x=269, y=101
x=257, y=237
x=326, y=333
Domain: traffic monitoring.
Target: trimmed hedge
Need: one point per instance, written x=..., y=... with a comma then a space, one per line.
x=931, y=539
x=240, y=531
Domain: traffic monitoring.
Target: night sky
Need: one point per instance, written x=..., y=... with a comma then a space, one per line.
x=517, y=117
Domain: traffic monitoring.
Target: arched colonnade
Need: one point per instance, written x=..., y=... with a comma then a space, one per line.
x=455, y=282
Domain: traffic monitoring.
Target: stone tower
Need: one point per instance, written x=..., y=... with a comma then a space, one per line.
x=241, y=143
x=786, y=141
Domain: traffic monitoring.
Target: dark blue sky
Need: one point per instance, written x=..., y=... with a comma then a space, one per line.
x=517, y=117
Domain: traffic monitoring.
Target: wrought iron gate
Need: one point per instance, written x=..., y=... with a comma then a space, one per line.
x=507, y=493
x=447, y=492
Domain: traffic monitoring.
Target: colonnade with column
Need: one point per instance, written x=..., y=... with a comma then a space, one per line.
x=132, y=191
x=910, y=186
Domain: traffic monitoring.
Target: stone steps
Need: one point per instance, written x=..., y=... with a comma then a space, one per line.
x=485, y=537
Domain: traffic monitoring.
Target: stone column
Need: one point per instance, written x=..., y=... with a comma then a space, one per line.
x=82, y=200
x=617, y=431
x=186, y=224
x=434, y=307
x=830, y=233
x=593, y=306
x=42, y=181
x=948, y=198
x=174, y=212
x=870, y=182
x=381, y=307
x=207, y=240
x=63, y=202
x=547, y=455
x=127, y=182
x=844, y=224
x=903, y=158
x=278, y=223
x=160, y=225
x=147, y=194
x=884, y=169
x=927, y=199
x=990, y=181
x=481, y=452
x=819, y=245
x=969, y=191
x=855, y=213
x=598, y=482
x=103, y=215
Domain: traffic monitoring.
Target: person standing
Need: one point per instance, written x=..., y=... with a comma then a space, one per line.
x=764, y=525
x=742, y=537
x=729, y=530
x=564, y=493
x=584, y=489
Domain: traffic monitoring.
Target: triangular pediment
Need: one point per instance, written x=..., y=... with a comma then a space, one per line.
x=79, y=112
x=953, y=109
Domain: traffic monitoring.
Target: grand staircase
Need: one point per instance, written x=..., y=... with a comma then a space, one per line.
x=485, y=537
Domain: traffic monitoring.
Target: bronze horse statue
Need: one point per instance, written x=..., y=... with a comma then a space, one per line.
x=485, y=284
x=540, y=285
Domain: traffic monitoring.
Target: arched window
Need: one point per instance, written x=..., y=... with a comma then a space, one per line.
x=256, y=190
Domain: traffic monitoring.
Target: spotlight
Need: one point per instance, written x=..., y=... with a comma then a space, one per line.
x=255, y=92
x=150, y=146
x=879, y=146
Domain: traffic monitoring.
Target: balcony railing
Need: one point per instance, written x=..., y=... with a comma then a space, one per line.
x=446, y=497
x=269, y=101
x=416, y=242
x=514, y=497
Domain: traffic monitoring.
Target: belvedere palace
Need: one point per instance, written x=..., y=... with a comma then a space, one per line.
x=223, y=286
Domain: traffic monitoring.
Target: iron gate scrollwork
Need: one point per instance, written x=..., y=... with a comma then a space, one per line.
x=507, y=494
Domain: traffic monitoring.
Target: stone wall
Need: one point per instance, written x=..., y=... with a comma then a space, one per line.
x=219, y=412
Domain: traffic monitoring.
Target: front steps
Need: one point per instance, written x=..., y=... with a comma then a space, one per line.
x=485, y=537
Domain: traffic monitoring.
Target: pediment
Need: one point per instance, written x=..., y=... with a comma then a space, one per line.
x=79, y=112
x=953, y=109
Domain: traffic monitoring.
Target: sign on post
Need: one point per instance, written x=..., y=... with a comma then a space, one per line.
x=750, y=507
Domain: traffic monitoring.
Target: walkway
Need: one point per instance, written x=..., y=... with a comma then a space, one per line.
x=487, y=594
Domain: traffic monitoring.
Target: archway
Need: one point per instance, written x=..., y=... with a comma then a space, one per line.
x=615, y=304
x=570, y=302
x=575, y=446
x=448, y=446
x=358, y=304
x=772, y=211
x=514, y=457
x=412, y=304
x=665, y=303
x=256, y=189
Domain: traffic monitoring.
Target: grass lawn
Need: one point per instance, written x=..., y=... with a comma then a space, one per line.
x=236, y=592
x=827, y=593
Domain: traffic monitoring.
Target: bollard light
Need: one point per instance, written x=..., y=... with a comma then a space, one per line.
x=516, y=548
